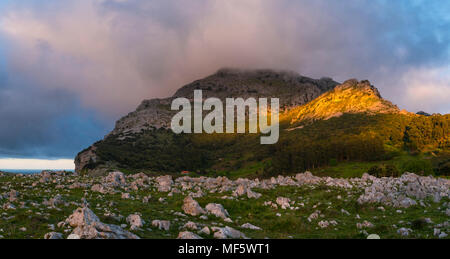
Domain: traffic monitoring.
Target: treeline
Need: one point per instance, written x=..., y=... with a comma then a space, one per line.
x=351, y=137
x=425, y=131
x=357, y=137
x=305, y=154
x=158, y=150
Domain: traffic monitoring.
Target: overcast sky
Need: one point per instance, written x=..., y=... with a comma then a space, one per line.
x=70, y=68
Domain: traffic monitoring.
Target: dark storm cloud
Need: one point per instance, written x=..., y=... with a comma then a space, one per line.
x=108, y=55
x=45, y=124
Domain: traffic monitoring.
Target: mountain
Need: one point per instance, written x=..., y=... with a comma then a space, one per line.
x=291, y=88
x=350, y=97
x=321, y=121
x=423, y=113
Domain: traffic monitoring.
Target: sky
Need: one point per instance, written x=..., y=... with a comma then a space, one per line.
x=70, y=68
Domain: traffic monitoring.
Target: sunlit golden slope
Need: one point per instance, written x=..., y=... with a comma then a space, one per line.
x=350, y=97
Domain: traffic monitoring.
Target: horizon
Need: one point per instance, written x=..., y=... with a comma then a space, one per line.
x=69, y=69
x=36, y=164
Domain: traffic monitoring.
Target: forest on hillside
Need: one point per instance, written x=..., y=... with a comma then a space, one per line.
x=351, y=137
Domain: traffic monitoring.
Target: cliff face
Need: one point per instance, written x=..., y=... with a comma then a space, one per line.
x=291, y=88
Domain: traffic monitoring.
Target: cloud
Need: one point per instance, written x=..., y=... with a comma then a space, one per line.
x=45, y=124
x=27, y=164
x=108, y=55
x=428, y=84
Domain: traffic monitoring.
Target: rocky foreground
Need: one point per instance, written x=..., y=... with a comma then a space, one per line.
x=55, y=205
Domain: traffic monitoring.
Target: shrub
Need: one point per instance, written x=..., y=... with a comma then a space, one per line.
x=441, y=163
x=418, y=223
x=392, y=171
x=384, y=171
x=421, y=167
x=333, y=162
x=376, y=171
x=443, y=169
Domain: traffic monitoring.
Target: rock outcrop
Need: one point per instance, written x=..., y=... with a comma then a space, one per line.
x=352, y=96
x=88, y=226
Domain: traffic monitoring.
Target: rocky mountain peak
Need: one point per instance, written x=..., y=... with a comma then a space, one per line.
x=291, y=88
x=363, y=86
x=422, y=113
x=352, y=96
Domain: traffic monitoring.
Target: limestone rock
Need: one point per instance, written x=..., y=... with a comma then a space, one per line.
x=250, y=226
x=116, y=179
x=73, y=236
x=53, y=235
x=283, y=202
x=404, y=231
x=191, y=207
x=88, y=226
x=98, y=188
x=135, y=221
x=164, y=183
x=190, y=225
x=13, y=195
x=82, y=216
x=217, y=210
x=188, y=235
x=205, y=231
x=227, y=232
x=161, y=224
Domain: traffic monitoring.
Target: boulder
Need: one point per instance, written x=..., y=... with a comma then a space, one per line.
x=242, y=190
x=88, y=226
x=191, y=207
x=99, y=230
x=116, y=179
x=253, y=195
x=250, y=226
x=283, y=202
x=323, y=223
x=98, y=188
x=404, y=231
x=205, y=231
x=53, y=235
x=161, y=224
x=73, y=236
x=217, y=210
x=135, y=221
x=365, y=224
x=57, y=200
x=227, y=232
x=164, y=183
x=190, y=225
x=82, y=216
x=188, y=235
x=13, y=195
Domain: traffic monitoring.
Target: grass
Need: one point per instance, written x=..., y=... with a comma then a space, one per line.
x=349, y=169
x=292, y=223
x=357, y=169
